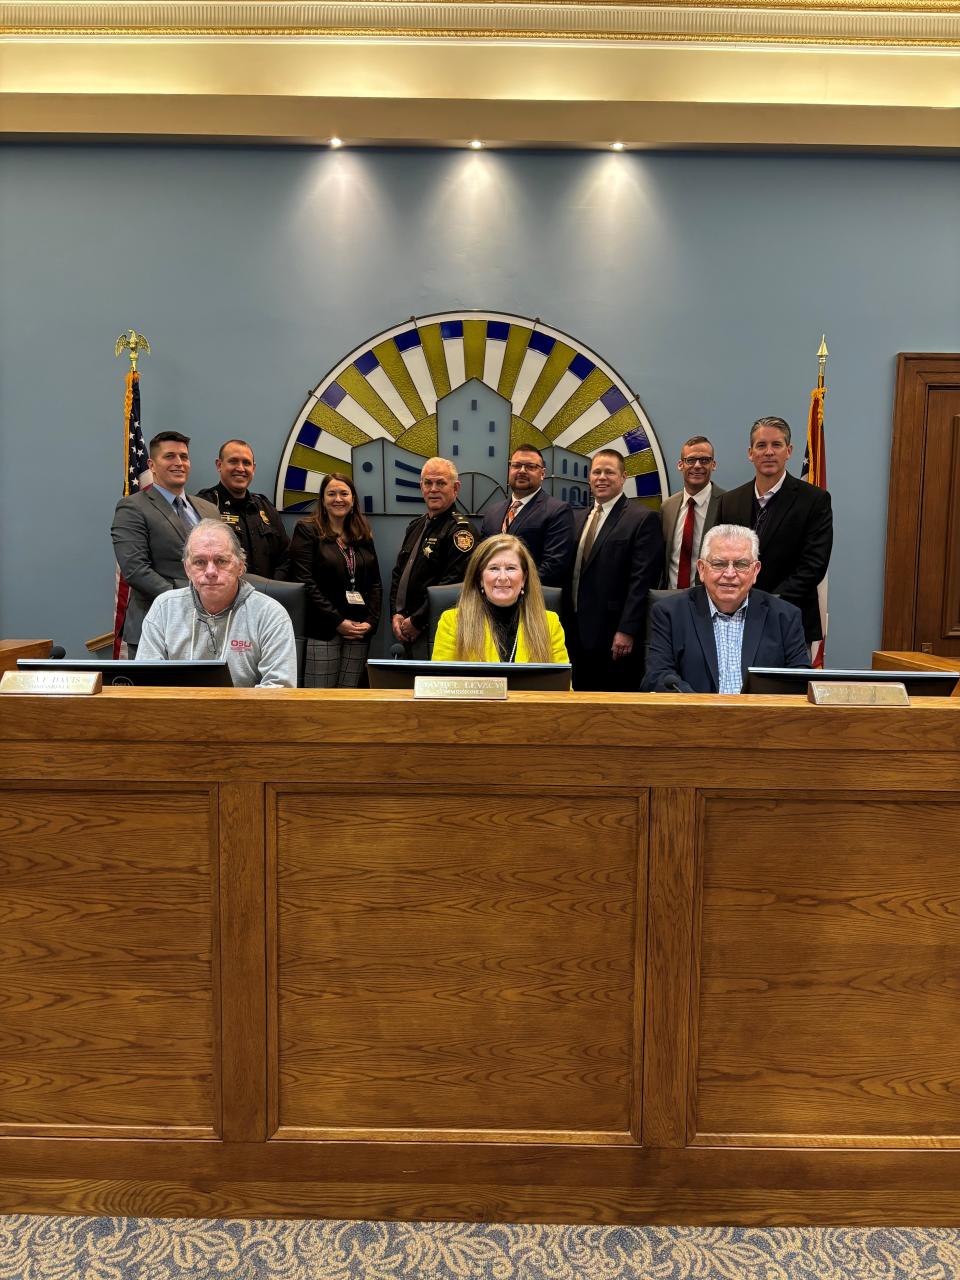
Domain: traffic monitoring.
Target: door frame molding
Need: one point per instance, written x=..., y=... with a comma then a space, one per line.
x=917, y=374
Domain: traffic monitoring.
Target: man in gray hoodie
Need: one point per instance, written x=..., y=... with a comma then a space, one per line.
x=219, y=616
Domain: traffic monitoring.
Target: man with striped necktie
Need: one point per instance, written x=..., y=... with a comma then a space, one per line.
x=544, y=524
x=619, y=557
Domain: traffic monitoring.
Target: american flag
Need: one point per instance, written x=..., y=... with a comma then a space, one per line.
x=814, y=471
x=137, y=477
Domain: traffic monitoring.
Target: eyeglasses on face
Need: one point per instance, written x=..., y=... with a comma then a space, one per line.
x=739, y=566
x=526, y=466
x=695, y=462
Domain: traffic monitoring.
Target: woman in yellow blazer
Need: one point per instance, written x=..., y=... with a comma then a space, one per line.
x=501, y=615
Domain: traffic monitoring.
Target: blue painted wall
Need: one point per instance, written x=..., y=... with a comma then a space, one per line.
x=705, y=280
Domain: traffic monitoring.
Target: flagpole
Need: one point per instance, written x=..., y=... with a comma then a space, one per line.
x=133, y=343
x=134, y=457
x=815, y=472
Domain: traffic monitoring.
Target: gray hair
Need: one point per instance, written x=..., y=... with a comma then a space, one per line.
x=454, y=473
x=779, y=424
x=209, y=525
x=740, y=532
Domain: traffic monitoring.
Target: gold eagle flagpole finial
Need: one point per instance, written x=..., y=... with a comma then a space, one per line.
x=134, y=343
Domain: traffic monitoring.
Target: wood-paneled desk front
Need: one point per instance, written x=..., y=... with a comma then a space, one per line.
x=346, y=954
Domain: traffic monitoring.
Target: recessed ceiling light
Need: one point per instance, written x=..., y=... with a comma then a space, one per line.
x=616, y=146
x=476, y=145
x=336, y=142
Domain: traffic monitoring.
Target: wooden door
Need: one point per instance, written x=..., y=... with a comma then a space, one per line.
x=921, y=608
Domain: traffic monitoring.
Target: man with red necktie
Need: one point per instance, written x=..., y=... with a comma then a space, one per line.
x=686, y=516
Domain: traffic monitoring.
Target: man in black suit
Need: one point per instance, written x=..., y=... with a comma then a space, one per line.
x=619, y=557
x=703, y=640
x=793, y=520
x=150, y=527
x=544, y=523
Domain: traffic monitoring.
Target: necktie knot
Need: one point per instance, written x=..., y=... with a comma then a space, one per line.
x=514, y=507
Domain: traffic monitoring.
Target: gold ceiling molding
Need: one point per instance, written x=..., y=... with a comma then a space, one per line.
x=854, y=23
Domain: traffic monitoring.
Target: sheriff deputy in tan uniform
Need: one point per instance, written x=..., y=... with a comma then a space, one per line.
x=436, y=548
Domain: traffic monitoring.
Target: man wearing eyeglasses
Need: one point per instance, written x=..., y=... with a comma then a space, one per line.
x=793, y=520
x=686, y=516
x=544, y=523
x=704, y=639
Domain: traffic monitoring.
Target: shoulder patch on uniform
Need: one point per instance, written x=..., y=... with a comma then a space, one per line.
x=464, y=538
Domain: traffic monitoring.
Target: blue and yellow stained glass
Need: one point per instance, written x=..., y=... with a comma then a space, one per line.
x=561, y=394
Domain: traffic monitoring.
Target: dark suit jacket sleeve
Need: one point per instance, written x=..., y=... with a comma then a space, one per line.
x=646, y=566
x=131, y=545
x=795, y=650
x=661, y=675
x=559, y=547
x=816, y=544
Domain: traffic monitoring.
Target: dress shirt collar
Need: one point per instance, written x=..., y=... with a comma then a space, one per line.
x=701, y=499
x=764, y=498
x=714, y=611
x=527, y=497
x=171, y=497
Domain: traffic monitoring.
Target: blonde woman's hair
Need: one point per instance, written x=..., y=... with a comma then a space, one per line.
x=473, y=625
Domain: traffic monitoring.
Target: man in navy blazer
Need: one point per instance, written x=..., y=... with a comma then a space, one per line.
x=619, y=557
x=704, y=639
x=543, y=523
x=150, y=527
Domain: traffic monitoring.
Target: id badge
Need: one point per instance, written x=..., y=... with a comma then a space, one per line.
x=354, y=597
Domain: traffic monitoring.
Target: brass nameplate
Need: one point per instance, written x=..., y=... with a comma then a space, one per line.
x=75, y=683
x=464, y=687
x=827, y=693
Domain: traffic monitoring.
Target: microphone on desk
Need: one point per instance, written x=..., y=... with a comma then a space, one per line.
x=398, y=651
x=58, y=651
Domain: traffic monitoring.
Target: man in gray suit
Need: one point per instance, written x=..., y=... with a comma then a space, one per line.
x=150, y=527
x=686, y=516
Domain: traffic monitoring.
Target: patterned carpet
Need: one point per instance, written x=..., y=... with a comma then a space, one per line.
x=37, y=1248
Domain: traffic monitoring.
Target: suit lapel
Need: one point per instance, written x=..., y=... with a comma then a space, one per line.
x=778, y=511
x=671, y=515
x=611, y=522
x=756, y=620
x=523, y=515
x=166, y=510
x=700, y=607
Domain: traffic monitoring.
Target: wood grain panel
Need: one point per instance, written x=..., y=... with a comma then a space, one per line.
x=106, y=1012
x=935, y=767
x=671, y=951
x=450, y=961
x=243, y=963
x=377, y=721
x=830, y=996
x=482, y=1182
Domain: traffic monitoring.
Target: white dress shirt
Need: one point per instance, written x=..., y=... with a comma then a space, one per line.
x=701, y=500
